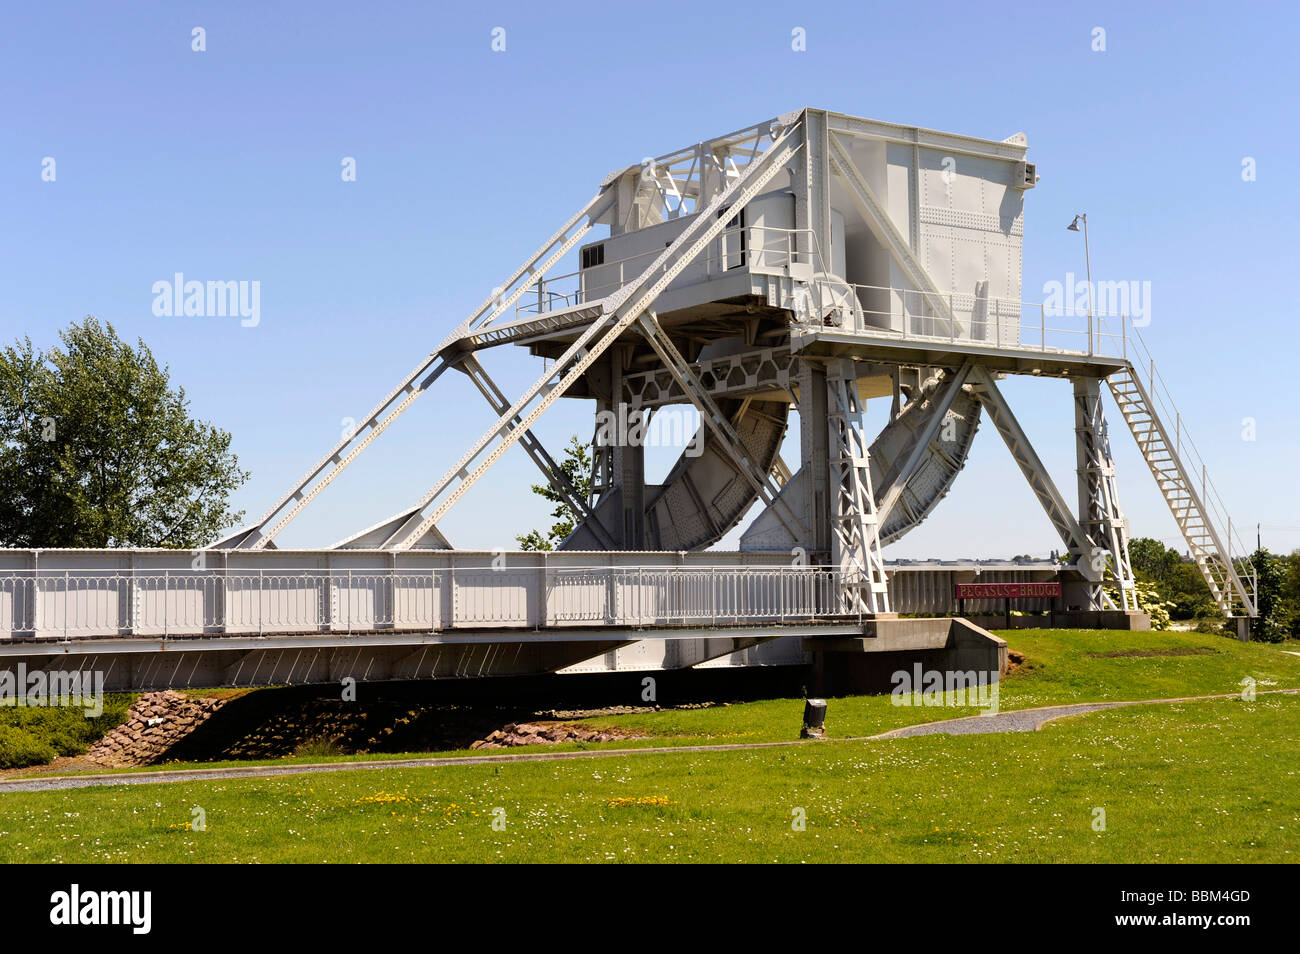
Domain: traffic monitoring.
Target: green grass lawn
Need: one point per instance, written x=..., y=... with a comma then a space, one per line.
x=1207, y=782
x=1061, y=666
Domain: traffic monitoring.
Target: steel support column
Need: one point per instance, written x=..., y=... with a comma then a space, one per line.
x=1100, y=516
x=856, y=530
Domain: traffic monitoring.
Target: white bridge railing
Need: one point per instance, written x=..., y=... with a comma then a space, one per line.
x=63, y=604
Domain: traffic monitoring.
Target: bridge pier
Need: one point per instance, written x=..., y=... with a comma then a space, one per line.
x=888, y=652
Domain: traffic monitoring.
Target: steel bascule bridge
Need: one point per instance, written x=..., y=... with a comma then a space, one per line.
x=805, y=265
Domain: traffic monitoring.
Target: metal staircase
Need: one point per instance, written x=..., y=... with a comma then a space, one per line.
x=1195, y=508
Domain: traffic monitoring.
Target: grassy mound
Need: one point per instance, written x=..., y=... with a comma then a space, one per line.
x=34, y=735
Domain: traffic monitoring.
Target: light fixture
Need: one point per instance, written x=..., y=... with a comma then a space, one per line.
x=1074, y=227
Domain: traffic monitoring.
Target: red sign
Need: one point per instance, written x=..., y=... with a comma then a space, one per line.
x=986, y=591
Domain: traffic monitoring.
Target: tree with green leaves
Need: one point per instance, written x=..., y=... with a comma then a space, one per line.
x=1152, y=560
x=1178, y=582
x=1271, y=625
x=97, y=449
x=576, y=466
x=1290, y=596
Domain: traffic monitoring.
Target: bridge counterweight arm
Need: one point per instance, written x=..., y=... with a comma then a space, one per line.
x=891, y=495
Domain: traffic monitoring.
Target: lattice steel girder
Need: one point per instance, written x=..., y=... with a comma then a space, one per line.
x=602, y=460
x=686, y=174
x=760, y=369
x=999, y=412
x=781, y=472
x=530, y=272
x=814, y=451
x=361, y=438
x=627, y=465
x=712, y=417
x=623, y=308
x=528, y=329
x=1100, y=516
x=419, y=380
x=856, y=529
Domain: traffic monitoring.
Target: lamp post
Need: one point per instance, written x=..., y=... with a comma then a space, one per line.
x=1087, y=258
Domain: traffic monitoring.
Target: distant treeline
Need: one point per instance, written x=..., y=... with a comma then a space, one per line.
x=1179, y=582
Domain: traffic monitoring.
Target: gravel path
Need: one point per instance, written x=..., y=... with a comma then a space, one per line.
x=1018, y=720
x=1031, y=720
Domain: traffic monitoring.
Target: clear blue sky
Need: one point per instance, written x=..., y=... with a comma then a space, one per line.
x=225, y=165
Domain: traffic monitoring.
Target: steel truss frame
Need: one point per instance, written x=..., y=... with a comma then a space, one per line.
x=1089, y=558
x=1100, y=516
x=682, y=177
x=560, y=483
x=855, y=526
x=605, y=322
x=712, y=417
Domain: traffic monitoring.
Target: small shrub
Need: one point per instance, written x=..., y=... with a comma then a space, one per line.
x=1149, y=601
x=319, y=747
x=67, y=729
x=19, y=748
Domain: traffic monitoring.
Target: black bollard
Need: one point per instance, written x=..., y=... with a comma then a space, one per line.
x=814, y=719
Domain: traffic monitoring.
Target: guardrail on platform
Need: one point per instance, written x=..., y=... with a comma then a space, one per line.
x=63, y=604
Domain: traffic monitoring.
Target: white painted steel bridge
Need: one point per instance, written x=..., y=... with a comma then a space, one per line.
x=807, y=265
